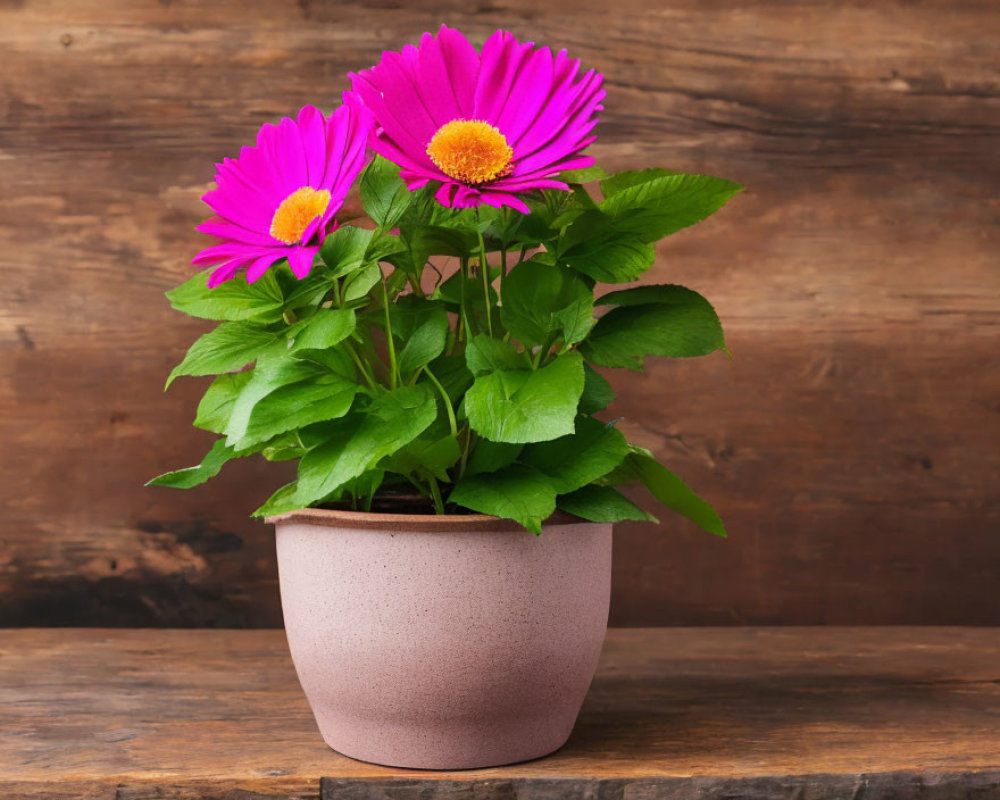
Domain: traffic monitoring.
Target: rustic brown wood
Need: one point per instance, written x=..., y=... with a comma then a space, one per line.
x=852, y=445
x=751, y=712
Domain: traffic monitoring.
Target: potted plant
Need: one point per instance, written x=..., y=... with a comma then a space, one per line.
x=433, y=369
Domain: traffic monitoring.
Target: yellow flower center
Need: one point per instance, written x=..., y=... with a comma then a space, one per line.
x=471, y=151
x=296, y=212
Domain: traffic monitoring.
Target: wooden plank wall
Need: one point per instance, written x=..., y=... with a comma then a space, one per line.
x=853, y=444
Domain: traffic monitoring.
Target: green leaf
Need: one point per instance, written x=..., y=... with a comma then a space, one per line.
x=453, y=375
x=297, y=405
x=392, y=421
x=656, y=208
x=615, y=258
x=232, y=300
x=426, y=342
x=520, y=406
x=653, y=321
x=231, y=346
x=193, y=476
x=217, y=403
x=551, y=211
x=345, y=249
x=602, y=504
x=575, y=460
x=484, y=354
x=586, y=175
x=408, y=313
x=597, y=392
x=427, y=454
x=613, y=184
x=278, y=503
x=517, y=492
x=266, y=378
x=450, y=291
x=360, y=488
x=325, y=328
x=487, y=456
x=541, y=302
x=423, y=241
x=500, y=226
x=671, y=490
x=285, y=447
x=384, y=244
x=332, y=360
x=302, y=293
x=383, y=194
x=361, y=282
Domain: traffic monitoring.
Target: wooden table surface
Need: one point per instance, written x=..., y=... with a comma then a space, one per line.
x=673, y=713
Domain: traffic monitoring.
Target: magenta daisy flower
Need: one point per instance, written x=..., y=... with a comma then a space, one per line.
x=277, y=200
x=488, y=125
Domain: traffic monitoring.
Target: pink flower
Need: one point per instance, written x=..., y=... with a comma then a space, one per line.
x=489, y=125
x=277, y=200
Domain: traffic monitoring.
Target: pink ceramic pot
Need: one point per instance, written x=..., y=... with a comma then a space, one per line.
x=443, y=642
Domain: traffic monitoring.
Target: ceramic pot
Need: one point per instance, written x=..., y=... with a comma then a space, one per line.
x=443, y=642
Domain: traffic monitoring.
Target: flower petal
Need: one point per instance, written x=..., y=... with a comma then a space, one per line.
x=500, y=63
x=446, y=66
x=226, y=229
x=260, y=265
x=223, y=273
x=538, y=100
x=312, y=137
x=300, y=259
x=309, y=151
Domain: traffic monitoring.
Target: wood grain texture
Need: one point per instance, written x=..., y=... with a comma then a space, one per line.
x=853, y=445
x=673, y=713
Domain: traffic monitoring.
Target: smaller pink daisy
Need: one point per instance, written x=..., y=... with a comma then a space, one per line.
x=277, y=200
x=488, y=125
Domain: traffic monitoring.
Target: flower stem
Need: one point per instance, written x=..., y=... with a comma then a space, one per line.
x=484, y=268
x=466, y=449
x=464, y=317
x=436, y=495
x=393, y=368
x=447, y=401
x=543, y=352
x=359, y=364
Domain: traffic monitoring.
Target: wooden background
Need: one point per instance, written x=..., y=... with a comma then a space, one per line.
x=853, y=444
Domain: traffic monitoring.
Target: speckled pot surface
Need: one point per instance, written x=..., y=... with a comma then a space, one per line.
x=443, y=642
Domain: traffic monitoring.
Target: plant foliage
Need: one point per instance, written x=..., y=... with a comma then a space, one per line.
x=453, y=352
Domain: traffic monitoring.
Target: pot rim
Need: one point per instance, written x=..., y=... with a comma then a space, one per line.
x=415, y=523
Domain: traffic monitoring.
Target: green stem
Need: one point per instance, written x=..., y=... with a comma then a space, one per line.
x=465, y=452
x=369, y=379
x=420, y=489
x=462, y=266
x=447, y=402
x=543, y=351
x=370, y=357
x=485, y=270
x=503, y=277
x=393, y=369
x=436, y=494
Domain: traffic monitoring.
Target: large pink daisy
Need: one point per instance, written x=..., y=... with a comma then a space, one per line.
x=277, y=200
x=487, y=125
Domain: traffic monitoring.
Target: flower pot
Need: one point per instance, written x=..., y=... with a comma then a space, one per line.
x=443, y=642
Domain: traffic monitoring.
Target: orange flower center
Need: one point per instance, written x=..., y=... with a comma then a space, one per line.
x=471, y=151
x=296, y=212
